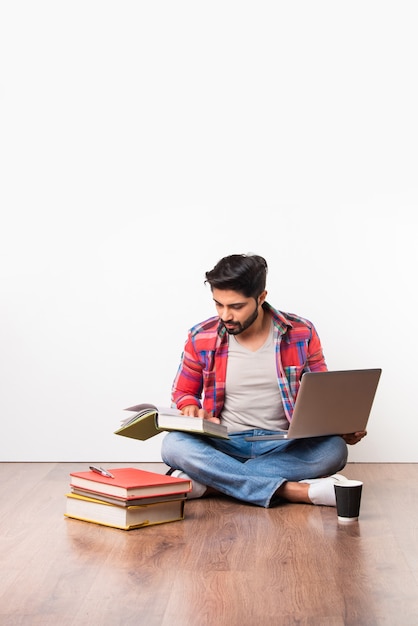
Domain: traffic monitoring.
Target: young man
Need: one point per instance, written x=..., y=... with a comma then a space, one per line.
x=243, y=368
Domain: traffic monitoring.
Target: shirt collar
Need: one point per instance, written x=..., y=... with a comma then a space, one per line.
x=280, y=320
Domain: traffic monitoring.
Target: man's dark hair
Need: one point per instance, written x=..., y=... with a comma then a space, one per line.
x=244, y=273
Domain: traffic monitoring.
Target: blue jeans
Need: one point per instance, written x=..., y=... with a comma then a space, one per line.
x=252, y=471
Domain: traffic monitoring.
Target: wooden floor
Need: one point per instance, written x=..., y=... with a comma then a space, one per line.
x=226, y=563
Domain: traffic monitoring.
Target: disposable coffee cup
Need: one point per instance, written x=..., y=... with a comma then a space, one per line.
x=348, y=497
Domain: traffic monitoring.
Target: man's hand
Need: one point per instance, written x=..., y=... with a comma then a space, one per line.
x=193, y=411
x=353, y=438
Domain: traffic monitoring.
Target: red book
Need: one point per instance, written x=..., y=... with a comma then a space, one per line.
x=130, y=482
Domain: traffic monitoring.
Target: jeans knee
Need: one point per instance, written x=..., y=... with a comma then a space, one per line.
x=170, y=448
x=340, y=451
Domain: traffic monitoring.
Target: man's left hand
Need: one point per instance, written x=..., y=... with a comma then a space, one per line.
x=353, y=438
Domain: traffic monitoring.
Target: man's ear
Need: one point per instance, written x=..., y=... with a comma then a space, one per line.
x=262, y=297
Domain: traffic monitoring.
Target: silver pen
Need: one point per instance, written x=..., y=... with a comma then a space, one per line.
x=101, y=470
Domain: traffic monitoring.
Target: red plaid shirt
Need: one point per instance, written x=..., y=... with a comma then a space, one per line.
x=201, y=376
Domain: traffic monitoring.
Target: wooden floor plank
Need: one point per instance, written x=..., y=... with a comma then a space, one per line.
x=226, y=563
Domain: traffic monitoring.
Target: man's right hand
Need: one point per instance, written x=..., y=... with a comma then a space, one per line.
x=193, y=411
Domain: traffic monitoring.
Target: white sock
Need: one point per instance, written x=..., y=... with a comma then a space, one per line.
x=197, y=488
x=321, y=490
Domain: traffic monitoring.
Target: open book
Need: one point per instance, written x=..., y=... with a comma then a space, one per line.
x=150, y=420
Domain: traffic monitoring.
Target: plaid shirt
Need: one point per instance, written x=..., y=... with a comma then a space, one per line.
x=201, y=376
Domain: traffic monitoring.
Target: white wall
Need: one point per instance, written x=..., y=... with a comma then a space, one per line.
x=142, y=141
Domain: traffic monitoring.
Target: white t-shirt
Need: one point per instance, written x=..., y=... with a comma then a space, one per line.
x=252, y=395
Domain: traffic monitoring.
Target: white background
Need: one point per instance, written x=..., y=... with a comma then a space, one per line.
x=141, y=142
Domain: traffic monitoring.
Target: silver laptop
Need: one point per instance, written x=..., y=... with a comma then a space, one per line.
x=331, y=403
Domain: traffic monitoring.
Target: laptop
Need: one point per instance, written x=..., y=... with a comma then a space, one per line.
x=330, y=403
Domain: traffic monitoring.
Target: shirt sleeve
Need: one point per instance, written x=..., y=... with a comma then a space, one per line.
x=316, y=360
x=188, y=383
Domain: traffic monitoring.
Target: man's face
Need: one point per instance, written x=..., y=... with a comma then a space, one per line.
x=236, y=312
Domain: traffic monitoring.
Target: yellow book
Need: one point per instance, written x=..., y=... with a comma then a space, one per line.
x=123, y=517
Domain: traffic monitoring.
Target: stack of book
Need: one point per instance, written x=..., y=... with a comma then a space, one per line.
x=126, y=498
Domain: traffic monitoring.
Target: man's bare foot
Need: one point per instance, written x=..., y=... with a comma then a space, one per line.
x=294, y=492
x=311, y=491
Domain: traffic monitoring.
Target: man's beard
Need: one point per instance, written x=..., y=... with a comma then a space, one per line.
x=237, y=328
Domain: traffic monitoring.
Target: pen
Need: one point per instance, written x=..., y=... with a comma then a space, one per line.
x=100, y=470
